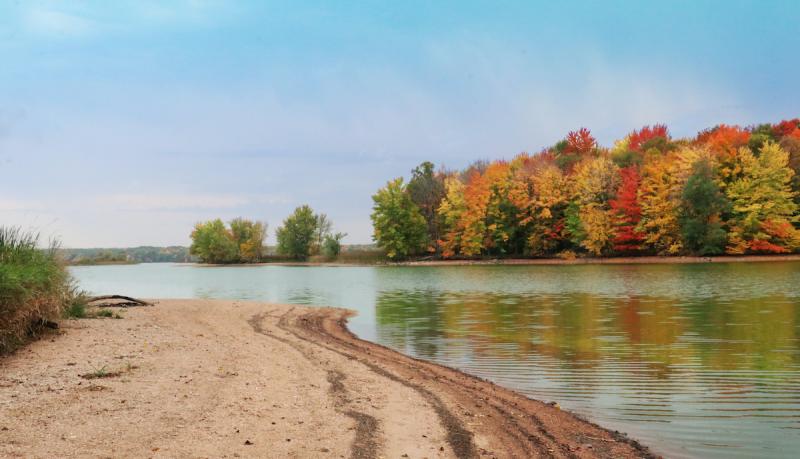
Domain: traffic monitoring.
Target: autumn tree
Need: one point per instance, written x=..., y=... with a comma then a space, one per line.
x=787, y=128
x=761, y=134
x=504, y=235
x=249, y=237
x=595, y=182
x=701, y=210
x=725, y=142
x=473, y=219
x=647, y=137
x=763, y=207
x=659, y=194
x=791, y=145
x=451, y=210
x=399, y=227
x=627, y=212
x=580, y=142
x=541, y=192
x=573, y=148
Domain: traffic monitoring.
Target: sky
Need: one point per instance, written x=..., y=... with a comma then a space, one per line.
x=124, y=123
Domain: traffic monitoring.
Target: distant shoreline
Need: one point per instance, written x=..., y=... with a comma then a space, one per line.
x=607, y=261
x=102, y=263
x=648, y=260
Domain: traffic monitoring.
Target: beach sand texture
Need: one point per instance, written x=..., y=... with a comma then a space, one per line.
x=219, y=378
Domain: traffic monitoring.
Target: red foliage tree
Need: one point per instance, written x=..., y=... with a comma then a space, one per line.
x=580, y=141
x=637, y=138
x=762, y=246
x=786, y=127
x=628, y=212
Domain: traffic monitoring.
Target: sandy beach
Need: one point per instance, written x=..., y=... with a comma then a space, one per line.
x=213, y=378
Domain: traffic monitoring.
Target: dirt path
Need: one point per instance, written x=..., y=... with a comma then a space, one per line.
x=205, y=378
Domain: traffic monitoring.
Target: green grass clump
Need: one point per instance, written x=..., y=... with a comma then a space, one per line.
x=105, y=313
x=34, y=287
x=75, y=311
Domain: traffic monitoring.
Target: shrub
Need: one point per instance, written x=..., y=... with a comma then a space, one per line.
x=332, y=245
x=34, y=286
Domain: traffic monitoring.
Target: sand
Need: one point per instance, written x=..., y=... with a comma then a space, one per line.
x=214, y=378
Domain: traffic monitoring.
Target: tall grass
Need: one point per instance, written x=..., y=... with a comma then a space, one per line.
x=34, y=286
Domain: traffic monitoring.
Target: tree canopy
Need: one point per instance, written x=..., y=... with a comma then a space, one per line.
x=729, y=189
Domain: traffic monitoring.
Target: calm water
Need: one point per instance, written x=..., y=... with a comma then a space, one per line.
x=694, y=360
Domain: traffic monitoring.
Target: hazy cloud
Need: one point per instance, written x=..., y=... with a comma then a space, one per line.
x=54, y=22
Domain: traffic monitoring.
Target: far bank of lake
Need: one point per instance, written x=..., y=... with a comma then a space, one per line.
x=692, y=359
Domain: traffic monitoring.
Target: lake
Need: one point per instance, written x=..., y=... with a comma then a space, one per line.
x=693, y=360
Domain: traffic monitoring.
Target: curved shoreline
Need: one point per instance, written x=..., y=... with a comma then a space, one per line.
x=521, y=426
x=229, y=378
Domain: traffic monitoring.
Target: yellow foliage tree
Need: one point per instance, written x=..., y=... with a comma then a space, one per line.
x=451, y=209
x=595, y=180
x=659, y=195
x=599, y=227
x=541, y=192
x=594, y=183
x=763, y=203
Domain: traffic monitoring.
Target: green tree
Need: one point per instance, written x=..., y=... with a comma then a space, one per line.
x=298, y=234
x=573, y=225
x=702, y=204
x=426, y=189
x=213, y=243
x=332, y=245
x=249, y=237
x=399, y=227
x=324, y=228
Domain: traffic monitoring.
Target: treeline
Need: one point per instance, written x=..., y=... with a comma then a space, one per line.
x=303, y=234
x=728, y=190
x=144, y=254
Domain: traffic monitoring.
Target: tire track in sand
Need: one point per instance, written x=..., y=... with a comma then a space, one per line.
x=458, y=437
x=366, y=442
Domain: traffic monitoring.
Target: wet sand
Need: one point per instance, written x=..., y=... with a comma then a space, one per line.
x=219, y=378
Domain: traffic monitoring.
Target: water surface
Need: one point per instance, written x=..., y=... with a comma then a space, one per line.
x=694, y=360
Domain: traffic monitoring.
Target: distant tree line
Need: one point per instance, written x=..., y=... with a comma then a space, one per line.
x=145, y=254
x=728, y=190
x=303, y=234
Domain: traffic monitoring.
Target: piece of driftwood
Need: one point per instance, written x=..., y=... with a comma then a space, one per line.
x=121, y=301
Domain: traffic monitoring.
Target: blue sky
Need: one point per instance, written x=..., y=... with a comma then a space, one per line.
x=123, y=123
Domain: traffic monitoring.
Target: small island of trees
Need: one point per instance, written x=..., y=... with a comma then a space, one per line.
x=303, y=234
